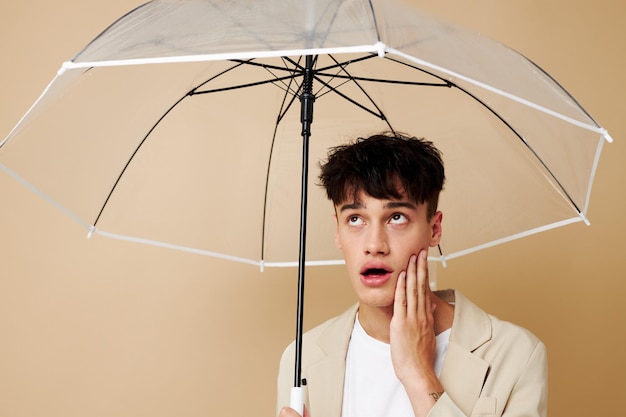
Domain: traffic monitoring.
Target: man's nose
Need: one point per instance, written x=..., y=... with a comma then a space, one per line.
x=376, y=240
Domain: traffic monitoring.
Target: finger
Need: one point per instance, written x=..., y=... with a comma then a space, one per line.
x=411, y=287
x=423, y=298
x=399, y=304
x=289, y=412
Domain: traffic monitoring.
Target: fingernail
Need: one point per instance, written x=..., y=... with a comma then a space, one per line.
x=424, y=254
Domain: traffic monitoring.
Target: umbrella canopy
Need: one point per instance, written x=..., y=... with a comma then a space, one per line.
x=180, y=126
x=189, y=124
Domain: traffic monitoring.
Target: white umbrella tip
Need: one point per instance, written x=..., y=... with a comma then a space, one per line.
x=606, y=136
x=64, y=67
x=440, y=258
x=585, y=219
x=381, y=48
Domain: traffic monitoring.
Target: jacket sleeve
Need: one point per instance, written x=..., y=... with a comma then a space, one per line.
x=530, y=394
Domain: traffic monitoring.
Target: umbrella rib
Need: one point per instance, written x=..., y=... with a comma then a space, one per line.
x=194, y=92
x=384, y=81
x=580, y=107
x=448, y=84
x=299, y=66
x=235, y=87
x=277, y=79
x=375, y=21
x=317, y=73
x=293, y=73
x=284, y=109
x=443, y=84
x=527, y=145
x=379, y=115
x=342, y=67
x=132, y=157
x=281, y=113
x=141, y=143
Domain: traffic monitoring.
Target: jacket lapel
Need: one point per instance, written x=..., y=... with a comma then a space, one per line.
x=464, y=373
x=325, y=378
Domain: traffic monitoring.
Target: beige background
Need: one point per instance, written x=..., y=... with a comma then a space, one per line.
x=105, y=328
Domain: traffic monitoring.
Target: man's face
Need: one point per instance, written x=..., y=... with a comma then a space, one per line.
x=377, y=238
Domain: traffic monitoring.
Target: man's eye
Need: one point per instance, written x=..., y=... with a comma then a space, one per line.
x=398, y=219
x=354, y=220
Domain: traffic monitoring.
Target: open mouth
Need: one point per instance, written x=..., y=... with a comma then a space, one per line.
x=374, y=272
x=375, y=269
x=375, y=275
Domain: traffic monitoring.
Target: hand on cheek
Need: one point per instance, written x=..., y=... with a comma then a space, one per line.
x=412, y=336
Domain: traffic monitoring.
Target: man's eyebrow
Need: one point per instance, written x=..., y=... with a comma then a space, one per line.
x=389, y=205
x=352, y=206
x=400, y=204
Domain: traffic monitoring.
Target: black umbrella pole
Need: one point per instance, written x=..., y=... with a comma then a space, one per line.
x=306, y=117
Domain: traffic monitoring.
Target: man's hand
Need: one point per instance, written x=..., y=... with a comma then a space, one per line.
x=290, y=412
x=412, y=336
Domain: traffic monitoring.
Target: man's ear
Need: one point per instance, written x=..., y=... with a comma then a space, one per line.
x=337, y=242
x=435, y=229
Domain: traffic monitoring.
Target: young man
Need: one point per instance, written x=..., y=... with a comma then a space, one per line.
x=404, y=350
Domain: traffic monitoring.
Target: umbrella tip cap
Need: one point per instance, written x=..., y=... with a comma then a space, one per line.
x=585, y=219
x=439, y=258
x=381, y=48
x=64, y=67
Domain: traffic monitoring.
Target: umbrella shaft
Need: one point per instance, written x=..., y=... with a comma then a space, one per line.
x=306, y=118
x=307, y=99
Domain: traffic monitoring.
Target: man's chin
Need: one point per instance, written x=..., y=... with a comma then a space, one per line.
x=376, y=301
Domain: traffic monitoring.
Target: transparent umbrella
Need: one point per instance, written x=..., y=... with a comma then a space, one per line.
x=193, y=124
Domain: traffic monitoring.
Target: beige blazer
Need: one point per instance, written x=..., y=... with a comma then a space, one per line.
x=491, y=368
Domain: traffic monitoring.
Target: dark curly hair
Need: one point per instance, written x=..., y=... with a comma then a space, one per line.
x=385, y=166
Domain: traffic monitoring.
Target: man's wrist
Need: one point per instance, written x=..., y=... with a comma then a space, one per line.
x=436, y=395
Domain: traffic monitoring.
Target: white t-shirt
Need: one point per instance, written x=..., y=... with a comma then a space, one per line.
x=371, y=388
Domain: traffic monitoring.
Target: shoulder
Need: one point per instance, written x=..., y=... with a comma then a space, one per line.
x=339, y=324
x=516, y=341
x=323, y=339
x=491, y=337
x=329, y=331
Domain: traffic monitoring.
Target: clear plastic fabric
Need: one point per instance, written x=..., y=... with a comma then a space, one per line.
x=216, y=174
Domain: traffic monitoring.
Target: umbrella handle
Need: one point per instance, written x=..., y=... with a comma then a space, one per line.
x=297, y=399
